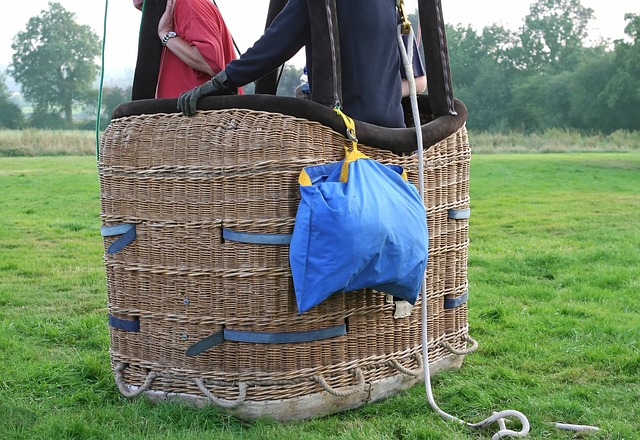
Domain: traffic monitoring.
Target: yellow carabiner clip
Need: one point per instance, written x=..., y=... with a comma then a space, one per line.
x=350, y=154
x=406, y=24
x=351, y=128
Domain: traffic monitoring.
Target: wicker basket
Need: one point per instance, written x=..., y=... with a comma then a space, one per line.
x=174, y=185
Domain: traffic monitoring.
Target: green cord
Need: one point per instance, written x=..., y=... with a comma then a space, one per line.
x=104, y=37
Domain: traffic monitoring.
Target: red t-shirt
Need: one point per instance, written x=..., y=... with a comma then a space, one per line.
x=199, y=23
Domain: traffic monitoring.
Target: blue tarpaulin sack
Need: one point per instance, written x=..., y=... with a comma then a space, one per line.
x=360, y=224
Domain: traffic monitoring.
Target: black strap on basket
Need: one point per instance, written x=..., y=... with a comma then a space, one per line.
x=254, y=337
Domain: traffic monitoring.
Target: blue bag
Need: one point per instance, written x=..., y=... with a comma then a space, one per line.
x=360, y=224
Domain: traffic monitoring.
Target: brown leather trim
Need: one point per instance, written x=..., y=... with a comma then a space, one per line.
x=393, y=139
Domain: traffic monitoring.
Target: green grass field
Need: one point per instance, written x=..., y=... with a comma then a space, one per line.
x=554, y=273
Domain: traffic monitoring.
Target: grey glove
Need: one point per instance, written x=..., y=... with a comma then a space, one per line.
x=188, y=101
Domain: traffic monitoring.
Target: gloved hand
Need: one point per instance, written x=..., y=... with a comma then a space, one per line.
x=188, y=101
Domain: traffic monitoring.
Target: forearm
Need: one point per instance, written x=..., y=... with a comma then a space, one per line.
x=421, y=85
x=190, y=55
x=288, y=33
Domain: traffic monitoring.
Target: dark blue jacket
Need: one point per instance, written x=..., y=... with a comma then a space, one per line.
x=370, y=58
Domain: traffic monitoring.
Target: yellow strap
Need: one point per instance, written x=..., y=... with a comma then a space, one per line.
x=351, y=154
x=304, y=179
x=351, y=128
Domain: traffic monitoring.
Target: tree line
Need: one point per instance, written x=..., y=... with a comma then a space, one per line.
x=55, y=62
x=545, y=75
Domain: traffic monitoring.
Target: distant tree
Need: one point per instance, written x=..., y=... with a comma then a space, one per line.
x=289, y=80
x=545, y=76
x=54, y=61
x=465, y=53
x=527, y=105
x=10, y=113
x=588, y=101
x=487, y=98
x=111, y=98
x=481, y=77
x=551, y=35
x=46, y=120
x=632, y=29
x=623, y=88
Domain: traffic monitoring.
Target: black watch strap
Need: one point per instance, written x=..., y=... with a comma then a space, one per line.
x=167, y=37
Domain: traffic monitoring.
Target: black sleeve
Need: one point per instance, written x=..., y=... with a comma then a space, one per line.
x=288, y=33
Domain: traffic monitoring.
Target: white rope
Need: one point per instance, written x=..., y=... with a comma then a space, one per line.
x=128, y=390
x=415, y=373
x=468, y=350
x=224, y=403
x=407, y=61
x=346, y=391
x=576, y=428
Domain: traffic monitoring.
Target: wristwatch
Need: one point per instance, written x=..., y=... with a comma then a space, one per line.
x=167, y=37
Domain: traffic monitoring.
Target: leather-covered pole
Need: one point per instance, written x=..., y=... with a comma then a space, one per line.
x=268, y=84
x=324, y=68
x=436, y=57
x=145, y=78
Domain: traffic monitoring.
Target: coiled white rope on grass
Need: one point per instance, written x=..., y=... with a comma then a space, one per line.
x=407, y=61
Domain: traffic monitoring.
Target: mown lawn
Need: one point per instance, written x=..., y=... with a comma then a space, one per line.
x=554, y=273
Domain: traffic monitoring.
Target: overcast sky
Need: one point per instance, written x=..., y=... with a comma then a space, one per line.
x=246, y=19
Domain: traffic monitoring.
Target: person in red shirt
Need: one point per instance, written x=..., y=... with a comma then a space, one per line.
x=197, y=45
x=370, y=59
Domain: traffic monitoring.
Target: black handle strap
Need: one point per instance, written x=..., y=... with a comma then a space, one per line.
x=145, y=78
x=325, y=62
x=436, y=58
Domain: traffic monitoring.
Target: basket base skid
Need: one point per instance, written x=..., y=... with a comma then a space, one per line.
x=317, y=404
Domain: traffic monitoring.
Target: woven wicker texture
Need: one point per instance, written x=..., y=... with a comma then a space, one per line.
x=181, y=181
